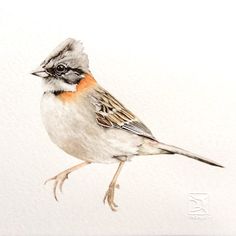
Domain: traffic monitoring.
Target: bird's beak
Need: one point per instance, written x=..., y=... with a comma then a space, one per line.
x=40, y=71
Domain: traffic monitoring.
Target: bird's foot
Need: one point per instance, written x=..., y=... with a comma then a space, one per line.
x=109, y=196
x=61, y=177
x=58, y=182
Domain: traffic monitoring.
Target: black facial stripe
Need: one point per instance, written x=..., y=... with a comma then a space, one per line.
x=55, y=92
x=58, y=92
x=67, y=81
x=52, y=71
x=77, y=71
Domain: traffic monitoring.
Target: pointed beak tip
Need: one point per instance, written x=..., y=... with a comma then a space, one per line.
x=40, y=72
x=33, y=73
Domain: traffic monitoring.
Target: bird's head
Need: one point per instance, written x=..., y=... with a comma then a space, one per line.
x=65, y=66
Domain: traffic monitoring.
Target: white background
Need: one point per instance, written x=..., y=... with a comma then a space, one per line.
x=173, y=64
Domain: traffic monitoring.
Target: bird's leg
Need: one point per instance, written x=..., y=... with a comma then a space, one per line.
x=61, y=177
x=109, y=196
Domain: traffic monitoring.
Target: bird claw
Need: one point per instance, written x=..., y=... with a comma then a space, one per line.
x=109, y=196
x=58, y=182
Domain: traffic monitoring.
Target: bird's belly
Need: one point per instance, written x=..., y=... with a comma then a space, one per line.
x=74, y=129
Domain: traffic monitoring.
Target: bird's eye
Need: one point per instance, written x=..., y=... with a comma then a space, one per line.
x=61, y=69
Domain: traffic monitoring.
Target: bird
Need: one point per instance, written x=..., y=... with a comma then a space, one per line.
x=87, y=122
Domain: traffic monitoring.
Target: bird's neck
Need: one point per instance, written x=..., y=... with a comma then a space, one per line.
x=59, y=86
x=85, y=83
x=68, y=91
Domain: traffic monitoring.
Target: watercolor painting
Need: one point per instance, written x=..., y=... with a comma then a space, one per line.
x=87, y=122
x=117, y=117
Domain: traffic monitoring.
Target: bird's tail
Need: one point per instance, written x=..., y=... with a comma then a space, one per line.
x=175, y=150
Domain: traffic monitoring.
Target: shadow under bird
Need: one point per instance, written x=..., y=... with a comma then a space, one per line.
x=87, y=122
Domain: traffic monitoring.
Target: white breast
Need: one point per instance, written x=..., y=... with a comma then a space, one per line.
x=72, y=126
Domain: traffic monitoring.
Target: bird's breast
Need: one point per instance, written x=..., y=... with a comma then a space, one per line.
x=66, y=122
x=72, y=126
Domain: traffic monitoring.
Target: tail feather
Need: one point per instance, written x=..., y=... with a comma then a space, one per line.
x=176, y=150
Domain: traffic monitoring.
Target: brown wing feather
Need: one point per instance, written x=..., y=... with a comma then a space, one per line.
x=110, y=113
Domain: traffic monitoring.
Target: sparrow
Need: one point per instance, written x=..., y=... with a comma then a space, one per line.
x=87, y=122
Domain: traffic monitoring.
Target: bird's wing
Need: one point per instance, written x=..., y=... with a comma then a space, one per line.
x=110, y=113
